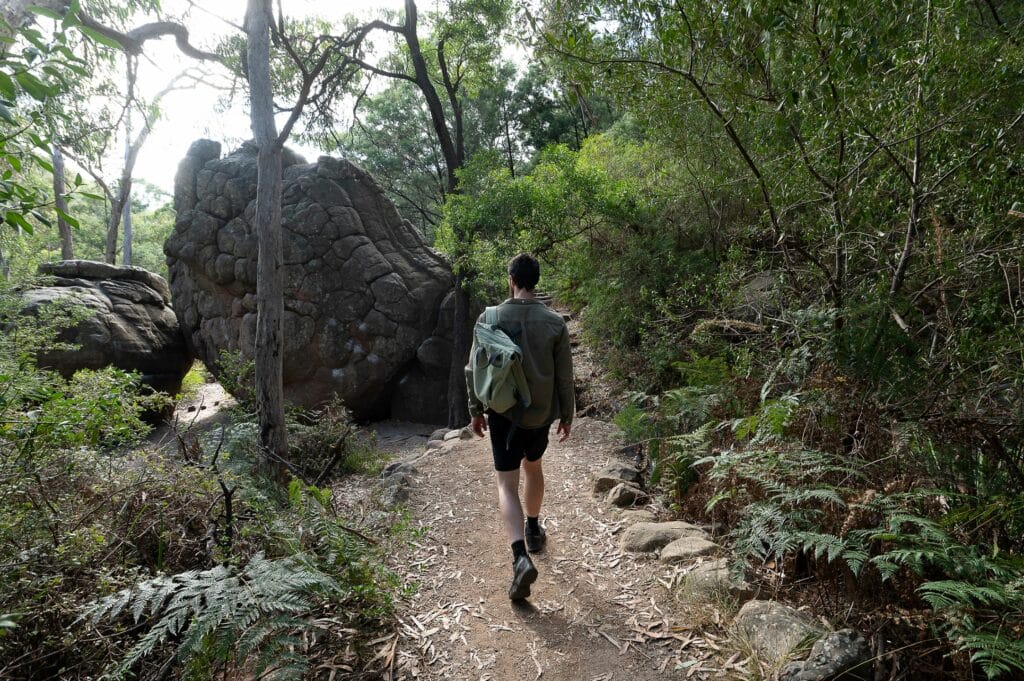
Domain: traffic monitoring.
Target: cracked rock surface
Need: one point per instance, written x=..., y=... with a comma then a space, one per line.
x=363, y=292
x=129, y=322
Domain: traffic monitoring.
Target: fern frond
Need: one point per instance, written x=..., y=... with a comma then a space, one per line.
x=949, y=593
x=997, y=653
x=821, y=544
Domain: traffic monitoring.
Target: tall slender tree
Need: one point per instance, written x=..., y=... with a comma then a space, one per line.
x=60, y=202
x=314, y=73
x=273, y=433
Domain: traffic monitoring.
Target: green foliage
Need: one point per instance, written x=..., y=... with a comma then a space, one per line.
x=207, y=566
x=789, y=501
x=258, y=615
x=152, y=223
x=394, y=141
x=192, y=381
x=43, y=412
x=254, y=614
x=595, y=217
x=675, y=459
x=634, y=422
x=33, y=69
x=70, y=502
x=237, y=374
x=325, y=442
x=394, y=135
x=843, y=293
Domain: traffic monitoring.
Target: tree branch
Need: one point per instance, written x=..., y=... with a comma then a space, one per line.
x=133, y=41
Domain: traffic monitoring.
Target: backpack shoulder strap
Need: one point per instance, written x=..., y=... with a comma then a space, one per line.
x=491, y=315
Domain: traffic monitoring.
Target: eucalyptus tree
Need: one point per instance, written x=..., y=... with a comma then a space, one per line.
x=308, y=71
x=95, y=111
x=269, y=349
x=392, y=137
x=33, y=68
x=550, y=108
x=51, y=78
x=60, y=203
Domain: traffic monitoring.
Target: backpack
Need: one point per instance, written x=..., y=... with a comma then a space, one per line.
x=497, y=367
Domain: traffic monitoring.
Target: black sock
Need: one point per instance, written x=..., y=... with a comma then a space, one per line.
x=518, y=548
x=533, y=524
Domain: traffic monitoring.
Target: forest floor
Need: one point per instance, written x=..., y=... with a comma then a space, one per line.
x=595, y=613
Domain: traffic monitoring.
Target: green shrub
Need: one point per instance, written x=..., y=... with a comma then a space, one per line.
x=237, y=374
x=325, y=442
x=179, y=542
x=257, y=615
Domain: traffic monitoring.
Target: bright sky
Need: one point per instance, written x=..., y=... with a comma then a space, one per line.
x=191, y=114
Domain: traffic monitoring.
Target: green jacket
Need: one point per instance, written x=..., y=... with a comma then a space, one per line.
x=547, y=362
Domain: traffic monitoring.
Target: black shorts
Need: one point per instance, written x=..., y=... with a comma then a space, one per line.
x=525, y=442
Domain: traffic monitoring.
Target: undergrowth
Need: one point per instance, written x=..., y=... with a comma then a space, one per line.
x=124, y=561
x=817, y=482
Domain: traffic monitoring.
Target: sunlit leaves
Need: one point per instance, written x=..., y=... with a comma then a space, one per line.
x=33, y=69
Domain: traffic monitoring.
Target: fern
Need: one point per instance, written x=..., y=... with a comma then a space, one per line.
x=984, y=618
x=997, y=652
x=255, y=610
x=822, y=544
x=948, y=594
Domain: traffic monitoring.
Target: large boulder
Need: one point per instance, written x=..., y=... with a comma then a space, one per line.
x=130, y=324
x=363, y=292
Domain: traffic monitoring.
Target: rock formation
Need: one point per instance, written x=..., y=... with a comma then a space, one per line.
x=132, y=326
x=363, y=292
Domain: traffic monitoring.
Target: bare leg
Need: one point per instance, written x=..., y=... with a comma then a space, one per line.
x=509, y=507
x=533, y=492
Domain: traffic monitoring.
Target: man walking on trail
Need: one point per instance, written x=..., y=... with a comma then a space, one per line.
x=519, y=436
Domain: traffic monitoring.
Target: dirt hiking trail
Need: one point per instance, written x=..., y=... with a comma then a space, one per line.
x=595, y=613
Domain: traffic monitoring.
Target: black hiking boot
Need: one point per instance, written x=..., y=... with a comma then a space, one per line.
x=535, y=539
x=523, y=575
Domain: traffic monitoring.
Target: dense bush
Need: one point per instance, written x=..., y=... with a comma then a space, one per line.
x=173, y=543
x=845, y=304
x=614, y=234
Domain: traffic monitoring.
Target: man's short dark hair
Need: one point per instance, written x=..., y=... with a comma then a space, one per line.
x=525, y=271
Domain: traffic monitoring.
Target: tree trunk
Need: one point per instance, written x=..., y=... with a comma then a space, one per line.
x=122, y=200
x=114, y=222
x=126, y=210
x=273, y=435
x=452, y=159
x=508, y=139
x=126, y=248
x=67, y=247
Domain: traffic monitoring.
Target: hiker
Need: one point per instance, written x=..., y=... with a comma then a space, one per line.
x=519, y=435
